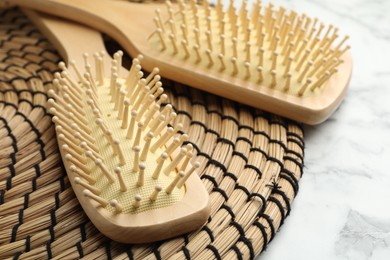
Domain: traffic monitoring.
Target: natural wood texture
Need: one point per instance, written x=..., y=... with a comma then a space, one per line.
x=144, y=221
x=132, y=25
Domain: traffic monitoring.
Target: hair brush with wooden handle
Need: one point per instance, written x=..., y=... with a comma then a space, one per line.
x=272, y=59
x=127, y=164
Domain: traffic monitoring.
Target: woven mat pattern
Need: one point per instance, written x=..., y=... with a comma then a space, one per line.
x=251, y=163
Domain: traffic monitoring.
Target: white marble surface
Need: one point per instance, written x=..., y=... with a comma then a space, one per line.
x=342, y=210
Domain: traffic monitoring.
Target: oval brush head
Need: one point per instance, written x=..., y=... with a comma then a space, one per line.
x=132, y=174
x=282, y=54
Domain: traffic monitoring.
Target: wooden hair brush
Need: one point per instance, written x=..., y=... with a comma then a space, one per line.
x=127, y=165
x=272, y=59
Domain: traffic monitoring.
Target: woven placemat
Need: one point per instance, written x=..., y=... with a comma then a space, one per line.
x=251, y=163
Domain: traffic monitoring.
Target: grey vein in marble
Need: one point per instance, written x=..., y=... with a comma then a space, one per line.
x=361, y=236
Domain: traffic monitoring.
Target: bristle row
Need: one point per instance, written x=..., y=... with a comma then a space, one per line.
x=103, y=153
x=270, y=47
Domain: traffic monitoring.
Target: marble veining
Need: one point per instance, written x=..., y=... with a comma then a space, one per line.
x=363, y=237
x=342, y=210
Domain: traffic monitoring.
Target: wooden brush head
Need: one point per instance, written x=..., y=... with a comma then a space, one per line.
x=133, y=175
x=289, y=57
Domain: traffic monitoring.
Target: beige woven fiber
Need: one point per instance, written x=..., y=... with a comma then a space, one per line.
x=251, y=163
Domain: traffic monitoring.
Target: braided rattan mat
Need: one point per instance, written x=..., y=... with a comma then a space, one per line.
x=251, y=165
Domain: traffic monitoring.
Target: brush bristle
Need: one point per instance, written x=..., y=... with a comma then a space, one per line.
x=116, y=140
x=268, y=47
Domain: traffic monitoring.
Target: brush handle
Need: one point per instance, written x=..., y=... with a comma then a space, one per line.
x=127, y=23
x=70, y=39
